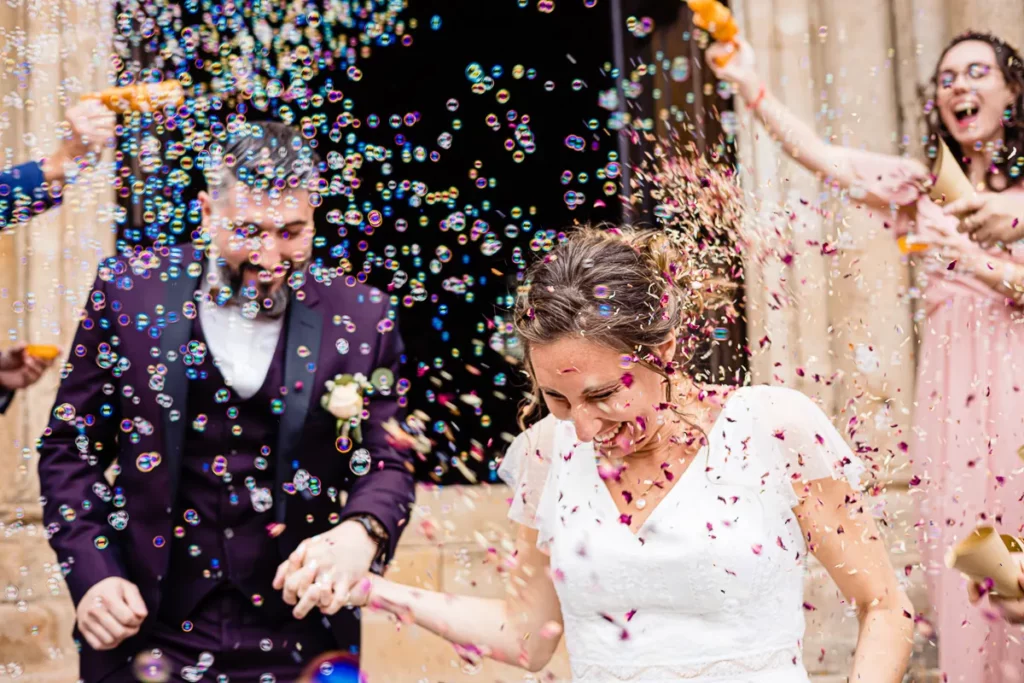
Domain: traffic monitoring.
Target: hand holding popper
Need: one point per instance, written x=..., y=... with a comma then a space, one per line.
x=986, y=556
x=716, y=19
x=140, y=97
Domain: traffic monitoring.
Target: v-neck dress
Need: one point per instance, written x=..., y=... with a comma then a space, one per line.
x=710, y=587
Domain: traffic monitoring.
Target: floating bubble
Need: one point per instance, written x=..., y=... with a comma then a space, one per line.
x=151, y=667
x=680, y=70
x=575, y=143
x=262, y=499
x=360, y=462
x=475, y=73
x=730, y=123
x=220, y=465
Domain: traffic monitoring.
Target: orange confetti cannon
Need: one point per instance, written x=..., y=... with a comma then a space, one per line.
x=909, y=244
x=140, y=97
x=43, y=351
x=716, y=19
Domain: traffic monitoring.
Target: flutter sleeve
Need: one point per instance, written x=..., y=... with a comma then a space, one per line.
x=802, y=444
x=527, y=469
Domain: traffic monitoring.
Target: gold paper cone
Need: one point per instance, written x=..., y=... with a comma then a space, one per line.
x=950, y=182
x=985, y=555
x=1014, y=545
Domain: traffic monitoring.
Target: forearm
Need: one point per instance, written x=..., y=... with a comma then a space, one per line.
x=884, y=645
x=387, y=491
x=1001, y=275
x=387, y=495
x=799, y=140
x=486, y=626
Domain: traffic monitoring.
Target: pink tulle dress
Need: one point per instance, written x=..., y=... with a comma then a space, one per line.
x=968, y=425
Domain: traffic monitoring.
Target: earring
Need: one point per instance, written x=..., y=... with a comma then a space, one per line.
x=1010, y=115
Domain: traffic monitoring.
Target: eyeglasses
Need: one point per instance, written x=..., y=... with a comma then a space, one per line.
x=974, y=72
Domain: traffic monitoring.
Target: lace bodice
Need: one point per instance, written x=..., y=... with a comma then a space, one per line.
x=710, y=588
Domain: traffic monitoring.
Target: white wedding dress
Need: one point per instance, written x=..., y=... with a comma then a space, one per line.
x=711, y=586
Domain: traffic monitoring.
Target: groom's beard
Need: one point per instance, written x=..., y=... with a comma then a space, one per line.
x=248, y=276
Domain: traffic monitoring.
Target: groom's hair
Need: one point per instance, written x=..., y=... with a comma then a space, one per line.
x=263, y=155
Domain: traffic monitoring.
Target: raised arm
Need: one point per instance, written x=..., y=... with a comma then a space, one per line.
x=523, y=629
x=24, y=191
x=801, y=142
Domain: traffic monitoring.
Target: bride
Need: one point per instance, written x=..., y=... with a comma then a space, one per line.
x=663, y=525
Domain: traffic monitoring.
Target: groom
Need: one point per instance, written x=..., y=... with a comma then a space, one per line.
x=203, y=372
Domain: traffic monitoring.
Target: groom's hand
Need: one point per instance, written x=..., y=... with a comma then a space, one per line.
x=110, y=612
x=327, y=571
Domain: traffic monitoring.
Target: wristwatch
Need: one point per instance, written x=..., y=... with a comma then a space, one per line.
x=376, y=531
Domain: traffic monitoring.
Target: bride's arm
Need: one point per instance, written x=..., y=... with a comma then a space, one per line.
x=523, y=629
x=846, y=542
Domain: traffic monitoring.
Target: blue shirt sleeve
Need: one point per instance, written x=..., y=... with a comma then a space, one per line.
x=22, y=194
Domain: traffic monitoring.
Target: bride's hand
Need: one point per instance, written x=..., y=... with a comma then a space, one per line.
x=739, y=70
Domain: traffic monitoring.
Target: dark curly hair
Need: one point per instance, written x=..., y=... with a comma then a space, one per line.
x=1012, y=67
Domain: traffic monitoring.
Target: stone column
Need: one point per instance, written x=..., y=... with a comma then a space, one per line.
x=772, y=333
x=1005, y=18
x=841, y=314
x=46, y=270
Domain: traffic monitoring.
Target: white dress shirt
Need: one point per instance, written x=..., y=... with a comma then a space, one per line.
x=242, y=349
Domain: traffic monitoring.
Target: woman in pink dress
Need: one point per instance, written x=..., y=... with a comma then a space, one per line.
x=969, y=405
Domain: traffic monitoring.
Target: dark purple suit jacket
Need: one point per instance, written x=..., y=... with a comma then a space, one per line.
x=124, y=396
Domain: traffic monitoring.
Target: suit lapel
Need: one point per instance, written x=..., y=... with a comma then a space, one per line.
x=304, y=329
x=175, y=336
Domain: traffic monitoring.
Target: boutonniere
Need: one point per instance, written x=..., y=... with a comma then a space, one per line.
x=344, y=400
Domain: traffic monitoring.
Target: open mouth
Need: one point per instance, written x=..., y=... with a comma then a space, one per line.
x=966, y=113
x=607, y=438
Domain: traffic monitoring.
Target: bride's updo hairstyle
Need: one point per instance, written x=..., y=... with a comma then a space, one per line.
x=624, y=288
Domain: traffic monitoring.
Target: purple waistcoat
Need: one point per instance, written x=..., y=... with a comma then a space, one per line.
x=224, y=498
